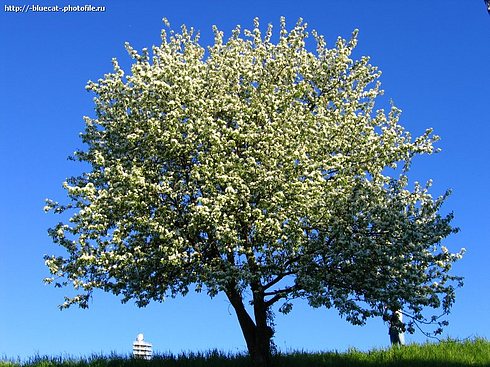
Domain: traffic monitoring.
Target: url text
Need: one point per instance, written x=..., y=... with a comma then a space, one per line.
x=54, y=9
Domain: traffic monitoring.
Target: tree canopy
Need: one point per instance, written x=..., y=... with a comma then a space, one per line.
x=253, y=165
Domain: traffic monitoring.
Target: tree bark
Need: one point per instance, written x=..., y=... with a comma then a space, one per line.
x=257, y=334
x=263, y=332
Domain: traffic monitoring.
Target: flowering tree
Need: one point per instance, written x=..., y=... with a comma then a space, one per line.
x=257, y=167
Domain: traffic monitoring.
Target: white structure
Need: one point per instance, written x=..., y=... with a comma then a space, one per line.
x=397, y=337
x=142, y=349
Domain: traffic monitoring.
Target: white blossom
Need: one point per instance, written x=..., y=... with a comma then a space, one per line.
x=253, y=164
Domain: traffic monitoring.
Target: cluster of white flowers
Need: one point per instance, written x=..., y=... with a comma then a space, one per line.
x=249, y=163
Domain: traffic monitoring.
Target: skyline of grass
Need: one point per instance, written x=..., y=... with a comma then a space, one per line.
x=447, y=353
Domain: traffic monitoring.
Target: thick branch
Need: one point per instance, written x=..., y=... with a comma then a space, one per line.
x=277, y=279
x=278, y=294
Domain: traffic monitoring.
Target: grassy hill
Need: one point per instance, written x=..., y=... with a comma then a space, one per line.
x=448, y=353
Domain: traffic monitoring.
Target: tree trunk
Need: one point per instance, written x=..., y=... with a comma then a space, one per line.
x=257, y=334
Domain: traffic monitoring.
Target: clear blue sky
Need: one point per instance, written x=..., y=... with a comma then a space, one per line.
x=435, y=58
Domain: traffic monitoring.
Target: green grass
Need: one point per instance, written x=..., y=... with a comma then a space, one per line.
x=448, y=353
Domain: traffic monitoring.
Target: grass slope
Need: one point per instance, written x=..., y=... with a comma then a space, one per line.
x=448, y=353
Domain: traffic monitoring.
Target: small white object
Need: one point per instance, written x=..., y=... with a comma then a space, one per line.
x=397, y=337
x=142, y=349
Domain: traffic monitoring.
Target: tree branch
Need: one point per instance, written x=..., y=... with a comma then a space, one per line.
x=277, y=279
x=278, y=294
